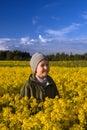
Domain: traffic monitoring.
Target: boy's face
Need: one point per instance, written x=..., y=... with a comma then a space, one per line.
x=42, y=69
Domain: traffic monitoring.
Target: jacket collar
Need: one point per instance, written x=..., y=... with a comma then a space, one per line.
x=34, y=79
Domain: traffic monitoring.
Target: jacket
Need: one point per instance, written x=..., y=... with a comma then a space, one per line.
x=32, y=88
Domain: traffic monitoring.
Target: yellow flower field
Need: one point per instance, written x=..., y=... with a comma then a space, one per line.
x=66, y=113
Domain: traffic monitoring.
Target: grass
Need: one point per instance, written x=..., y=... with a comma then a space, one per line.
x=69, y=63
x=52, y=63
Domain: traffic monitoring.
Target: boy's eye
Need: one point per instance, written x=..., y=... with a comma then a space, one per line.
x=44, y=65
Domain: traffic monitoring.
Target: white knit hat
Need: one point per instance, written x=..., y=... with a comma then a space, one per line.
x=35, y=59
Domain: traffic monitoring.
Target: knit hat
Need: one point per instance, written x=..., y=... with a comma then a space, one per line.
x=35, y=59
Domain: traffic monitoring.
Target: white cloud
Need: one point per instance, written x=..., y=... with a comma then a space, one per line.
x=24, y=40
x=3, y=40
x=63, y=31
x=27, y=40
x=2, y=47
x=54, y=45
x=32, y=40
x=43, y=40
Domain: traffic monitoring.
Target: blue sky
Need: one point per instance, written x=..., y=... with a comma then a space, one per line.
x=47, y=26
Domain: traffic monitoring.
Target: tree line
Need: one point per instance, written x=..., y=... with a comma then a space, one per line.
x=19, y=55
x=14, y=55
x=64, y=56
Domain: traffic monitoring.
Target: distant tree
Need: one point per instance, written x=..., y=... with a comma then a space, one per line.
x=51, y=57
x=19, y=55
x=57, y=56
x=85, y=56
x=14, y=55
x=62, y=57
x=9, y=55
x=71, y=56
x=25, y=56
x=3, y=55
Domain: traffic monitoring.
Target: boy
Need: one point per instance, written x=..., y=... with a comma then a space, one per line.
x=39, y=85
